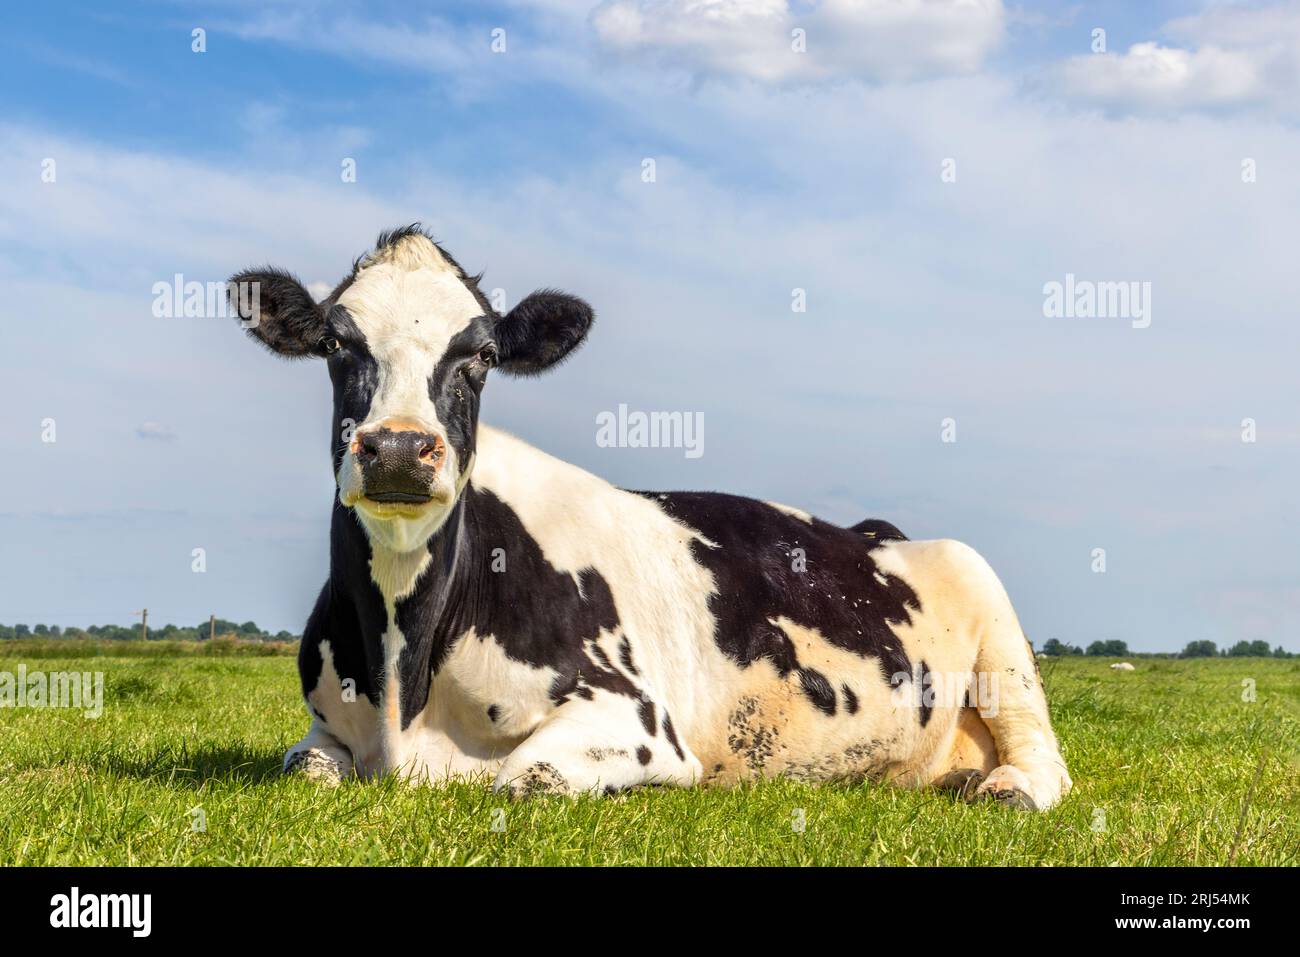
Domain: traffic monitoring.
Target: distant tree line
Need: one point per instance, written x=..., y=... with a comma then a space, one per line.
x=200, y=632
x=1115, y=648
x=1242, y=649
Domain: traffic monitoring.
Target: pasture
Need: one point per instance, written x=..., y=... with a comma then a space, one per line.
x=1171, y=767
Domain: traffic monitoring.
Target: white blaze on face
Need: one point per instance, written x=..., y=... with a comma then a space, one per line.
x=409, y=302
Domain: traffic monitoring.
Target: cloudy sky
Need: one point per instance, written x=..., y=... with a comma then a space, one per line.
x=921, y=169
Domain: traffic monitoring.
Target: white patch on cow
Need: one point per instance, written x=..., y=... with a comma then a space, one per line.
x=477, y=675
x=792, y=512
x=395, y=573
x=1122, y=666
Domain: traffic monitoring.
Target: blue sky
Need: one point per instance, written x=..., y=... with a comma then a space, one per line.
x=774, y=171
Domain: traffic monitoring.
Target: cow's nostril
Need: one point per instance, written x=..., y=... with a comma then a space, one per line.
x=429, y=450
x=367, y=447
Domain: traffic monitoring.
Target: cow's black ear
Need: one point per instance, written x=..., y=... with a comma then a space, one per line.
x=278, y=311
x=539, y=332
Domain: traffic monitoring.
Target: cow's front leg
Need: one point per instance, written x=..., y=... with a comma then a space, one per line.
x=599, y=745
x=319, y=756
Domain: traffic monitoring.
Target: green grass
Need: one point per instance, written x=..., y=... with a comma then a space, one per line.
x=1184, y=771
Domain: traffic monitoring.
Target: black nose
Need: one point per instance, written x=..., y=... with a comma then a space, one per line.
x=398, y=466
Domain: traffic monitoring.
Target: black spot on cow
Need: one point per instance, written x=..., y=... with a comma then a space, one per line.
x=850, y=699
x=643, y=754
x=749, y=736
x=840, y=591
x=602, y=659
x=493, y=712
x=818, y=690
x=625, y=656
x=537, y=614
x=671, y=735
x=925, y=694
x=645, y=710
x=599, y=672
x=879, y=530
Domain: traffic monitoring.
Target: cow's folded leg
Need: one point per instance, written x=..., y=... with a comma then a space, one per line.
x=599, y=746
x=319, y=756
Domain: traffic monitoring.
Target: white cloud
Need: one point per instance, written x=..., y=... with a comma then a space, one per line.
x=1153, y=76
x=885, y=40
x=432, y=45
x=1228, y=58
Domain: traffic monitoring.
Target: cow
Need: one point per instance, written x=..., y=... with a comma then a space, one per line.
x=493, y=612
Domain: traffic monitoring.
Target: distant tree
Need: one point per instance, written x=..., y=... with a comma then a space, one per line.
x=6, y=633
x=1112, y=648
x=1200, y=649
x=56, y=631
x=41, y=630
x=22, y=631
x=1280, y=652
x=1250, y=649
x=249, y=628
x=283, y=635
x=1057, y=648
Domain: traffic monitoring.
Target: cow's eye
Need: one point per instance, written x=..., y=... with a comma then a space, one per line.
x=329, y=344
x=488, y=355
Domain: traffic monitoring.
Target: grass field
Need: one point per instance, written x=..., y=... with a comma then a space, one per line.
x=1171, y=766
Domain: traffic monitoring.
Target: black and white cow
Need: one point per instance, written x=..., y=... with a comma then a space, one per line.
x=495, y=610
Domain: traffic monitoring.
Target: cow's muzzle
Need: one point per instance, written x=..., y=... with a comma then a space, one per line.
x=399, y=466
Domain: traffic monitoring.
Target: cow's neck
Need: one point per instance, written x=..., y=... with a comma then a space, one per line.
x=421, y=592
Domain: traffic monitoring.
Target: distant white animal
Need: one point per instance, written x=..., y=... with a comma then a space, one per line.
x=1122, y=666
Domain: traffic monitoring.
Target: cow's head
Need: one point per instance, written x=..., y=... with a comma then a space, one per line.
x=409, y=341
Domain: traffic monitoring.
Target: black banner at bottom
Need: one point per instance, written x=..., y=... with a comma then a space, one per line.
x=234, y=905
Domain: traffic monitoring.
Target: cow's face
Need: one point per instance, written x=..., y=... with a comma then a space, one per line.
x=409, y=341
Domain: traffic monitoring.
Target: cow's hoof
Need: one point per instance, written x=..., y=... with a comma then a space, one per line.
x=1008, y=797
x=314, y=766
x=962, y=780
x=1008, y=786
x=537, y=779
